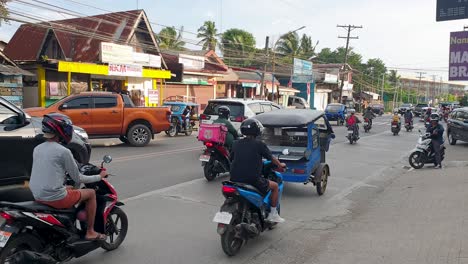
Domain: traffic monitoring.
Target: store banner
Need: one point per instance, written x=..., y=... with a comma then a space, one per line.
x=458, y=57
x=114, y=53
x=302, y=71
x=192, y=62
x=125, y=70
x=153, y=97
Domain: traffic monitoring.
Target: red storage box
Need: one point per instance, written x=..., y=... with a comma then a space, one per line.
x=215, y=133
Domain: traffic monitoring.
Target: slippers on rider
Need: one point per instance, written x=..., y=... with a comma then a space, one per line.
x=99, y=237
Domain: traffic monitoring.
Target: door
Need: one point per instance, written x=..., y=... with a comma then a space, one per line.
x=79, y=111
x=106, y=116
x=454, y=124
x=463, y=118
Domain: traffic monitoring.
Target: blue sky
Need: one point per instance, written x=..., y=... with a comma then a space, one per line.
x=401, y=32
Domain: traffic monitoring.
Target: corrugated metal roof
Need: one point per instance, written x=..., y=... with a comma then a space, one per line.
x=25, y=45
x=13, y=70
x=251, y=76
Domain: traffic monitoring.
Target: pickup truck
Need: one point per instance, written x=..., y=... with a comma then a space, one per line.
x=19, y=135
x=110, y=115
x=418, y=109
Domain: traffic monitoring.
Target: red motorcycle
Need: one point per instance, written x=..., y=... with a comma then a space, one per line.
x=36, y=233
x=215, y=158
x=367, y=125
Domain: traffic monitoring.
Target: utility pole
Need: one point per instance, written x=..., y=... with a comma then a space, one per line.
x=383, y=86
x=419, y=86
x=262, y=83
x=431, y=94
x=349, y=28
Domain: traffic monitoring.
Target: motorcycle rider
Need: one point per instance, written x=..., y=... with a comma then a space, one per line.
x=186, y=116
x=437, y=131
x=353, y=121
x=396, y=118
x=246, y=167
x=223, y=118
x=369, y=114
x=409, y=116
x=51, y=162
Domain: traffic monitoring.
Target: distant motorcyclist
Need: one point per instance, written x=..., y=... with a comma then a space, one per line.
x=396, y=118
x=369, y=114
x=409, y=116
x=223, y=118
x=186, y=116
x=353, y=121
x=437, y=131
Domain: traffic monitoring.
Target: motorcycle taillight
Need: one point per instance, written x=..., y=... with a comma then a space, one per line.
x=229, y=190
x=8, y=216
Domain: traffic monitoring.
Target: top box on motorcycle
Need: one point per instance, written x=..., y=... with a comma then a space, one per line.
x=215, y=133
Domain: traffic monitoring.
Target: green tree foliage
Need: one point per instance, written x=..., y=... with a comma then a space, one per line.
x=326, y=55
x=3, y=11
x=238, y=47
x=168, y=38
x=292, y=45
x=464, y=100
x=209, y=35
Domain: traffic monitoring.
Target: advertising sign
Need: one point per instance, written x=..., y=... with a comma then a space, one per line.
x=451, y=10
x=125, y=70
x=192, y=62
x=114, y=53
x=458, y=59
x=302, y=72
x=330, y=78
x=153, y=96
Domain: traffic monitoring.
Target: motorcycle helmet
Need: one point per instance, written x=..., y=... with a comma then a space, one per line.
x=224, y=111
x=57, y=125
x=408, y=110
x=251, y=127
x=369, y=108
x=434, y=117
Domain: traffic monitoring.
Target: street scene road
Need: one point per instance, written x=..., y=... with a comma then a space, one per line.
x=171, y=209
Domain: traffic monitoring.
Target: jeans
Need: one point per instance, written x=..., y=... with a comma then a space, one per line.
x=436, y=148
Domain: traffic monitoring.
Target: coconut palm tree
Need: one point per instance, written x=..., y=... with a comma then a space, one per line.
x=289, y=44
x=168, y=38
x=307, y=49
x=208, y=34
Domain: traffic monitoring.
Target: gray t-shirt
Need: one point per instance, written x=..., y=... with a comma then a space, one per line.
x=51, y=162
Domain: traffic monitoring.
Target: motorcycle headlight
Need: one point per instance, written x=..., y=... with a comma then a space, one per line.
x=82, y=133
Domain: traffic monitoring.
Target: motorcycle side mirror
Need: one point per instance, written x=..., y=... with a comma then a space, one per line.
x=107, y=159
x=333, y=136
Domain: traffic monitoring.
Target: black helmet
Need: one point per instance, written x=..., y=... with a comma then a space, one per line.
x=408, y=110
x=57, y=125
x=251, y=127
x=435, y=117
x=224, y=111
x=369, y=108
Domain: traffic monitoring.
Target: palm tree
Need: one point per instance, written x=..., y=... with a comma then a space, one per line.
x=307, y=49
x=289, y=45
x=208, y=34
x=168, y=38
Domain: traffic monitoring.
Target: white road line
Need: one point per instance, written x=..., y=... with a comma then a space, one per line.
x=153, y=154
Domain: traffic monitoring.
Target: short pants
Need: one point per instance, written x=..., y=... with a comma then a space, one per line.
x=72, y=198
x=262, y=184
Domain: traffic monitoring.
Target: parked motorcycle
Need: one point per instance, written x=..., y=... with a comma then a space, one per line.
x=36, y=233
x=423, y=153
x=243, y=213
x=352, y=134
x=215, y=160
x=367, y=125
x=409, y=125
x=395, y=128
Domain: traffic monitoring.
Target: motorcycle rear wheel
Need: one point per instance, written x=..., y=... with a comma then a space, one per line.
x=417, y=160
x=112, y=227
x=208, y=170
x=231, y=245
x=23, y=241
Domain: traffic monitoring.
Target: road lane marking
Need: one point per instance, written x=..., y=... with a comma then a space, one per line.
x=150, y=155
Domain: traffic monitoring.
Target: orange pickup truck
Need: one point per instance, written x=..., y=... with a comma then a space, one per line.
x=108, y=115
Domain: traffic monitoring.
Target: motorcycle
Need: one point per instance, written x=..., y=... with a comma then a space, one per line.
x=215, y=160
x=367, y=125
x=352, y=133
x=408, y=125
x=36, y=233
x=244, y=212
x=423, y=153
x=395, y=128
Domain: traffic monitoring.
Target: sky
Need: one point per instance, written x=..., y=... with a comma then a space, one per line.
x=403, y=33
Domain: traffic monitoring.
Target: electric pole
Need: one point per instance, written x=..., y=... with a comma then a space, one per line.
x=431, y=94
x=349, y=28
x=419, y=86
x=267, y=43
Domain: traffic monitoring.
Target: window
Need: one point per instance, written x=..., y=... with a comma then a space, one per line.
x=77, y=103
x=128, y=101
x=286, y=136
x=237, y=109
x=6, y=115
x=275, y=107
x=453, y=115
x=462, y=116
x=105, y=102
x=256, y=108
x=267, y=108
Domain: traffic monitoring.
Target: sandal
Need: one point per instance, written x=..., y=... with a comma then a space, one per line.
x=99, y=237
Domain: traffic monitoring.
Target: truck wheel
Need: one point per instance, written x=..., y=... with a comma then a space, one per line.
x=139, y=135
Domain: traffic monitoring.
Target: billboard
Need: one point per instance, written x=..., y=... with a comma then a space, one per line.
x=451, y=10
x=458, y=58
x=302, y=72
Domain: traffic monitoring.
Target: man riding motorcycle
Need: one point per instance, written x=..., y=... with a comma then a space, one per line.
x=437, y=131
x=409, y=116
x=51, y=162
x=369, y=114
x=353, y=121
x=223, y=118
x=396, y=119
x=247, y=164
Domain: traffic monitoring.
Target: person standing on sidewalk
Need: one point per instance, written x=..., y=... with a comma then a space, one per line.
x=437, y=132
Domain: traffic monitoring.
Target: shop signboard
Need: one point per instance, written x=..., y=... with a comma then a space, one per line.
x=125, y=70
x=451, y=10
x=153, y=96
x=192, y=62
x=145, y=59
x=458, y=58
x=114, y=53
x=302, y=72
x=202, y=80
x=330, y=78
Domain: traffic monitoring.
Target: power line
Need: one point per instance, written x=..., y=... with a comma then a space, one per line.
x=348, y=37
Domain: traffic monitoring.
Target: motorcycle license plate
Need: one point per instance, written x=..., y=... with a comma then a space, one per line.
x=350, y=132
x=205, y=158
x=394, y=126
x=365, y=123
x=222, y=218
x=4, y=237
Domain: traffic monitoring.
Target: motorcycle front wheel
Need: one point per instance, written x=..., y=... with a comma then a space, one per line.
x=116, y=229
x=417, y=160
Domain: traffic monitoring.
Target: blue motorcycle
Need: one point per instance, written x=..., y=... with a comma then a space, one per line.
x=242, y=216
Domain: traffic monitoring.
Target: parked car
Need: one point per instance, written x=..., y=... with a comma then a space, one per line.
x=336, y=112
x=297, y=102
x=19, y=135
x=378, y=109
x=241, y=109
x=110, y=115
x=457, y=126
x=404, y=107
x=418, y=109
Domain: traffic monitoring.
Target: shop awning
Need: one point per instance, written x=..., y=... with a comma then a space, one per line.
x=12, y=70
